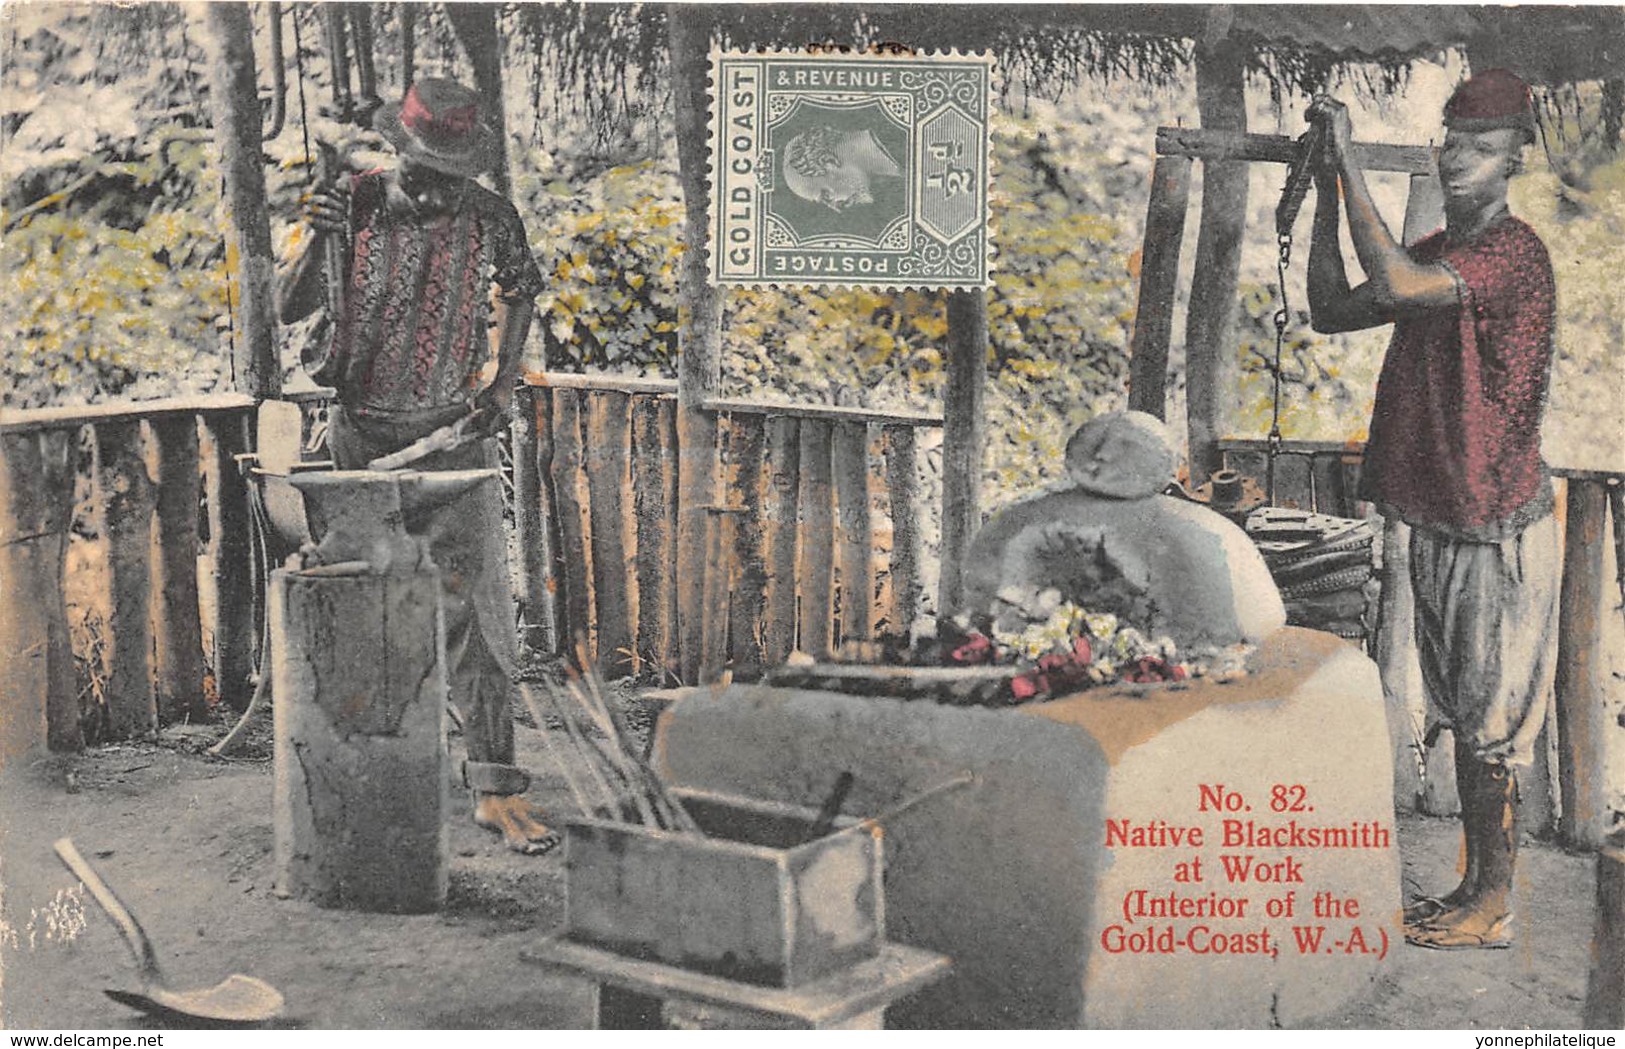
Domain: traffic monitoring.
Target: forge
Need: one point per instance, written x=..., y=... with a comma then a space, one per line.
x=1200, y=853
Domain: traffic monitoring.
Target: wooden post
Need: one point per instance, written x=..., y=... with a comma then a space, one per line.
x=1605, y=990
x=699, y=337
x=714, y=614
x=529, y=532
x=38, y=704
x=125, y=493
x=609, y=439
x=1159, y=277
x=576, y=624
x=1616, y=513
x=1582, y=689
x=58, y=452
x=902, y=497
x=231, y=547
x=338, y=60
x=964, y=436
x=1211, y=322
x=279, y=72
x=654, y=470
x=747, y=439
x=235, y=102
x=850, y=454
x=178, y=655
x=1394, y=651
x=360, y=798
x=550, y=584
x=366, y=75
x=476, y=26
x=408, y=14
x=781, y=514
x=816, y=568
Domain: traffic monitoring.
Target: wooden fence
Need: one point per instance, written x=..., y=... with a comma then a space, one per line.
x=816, y=541
x=152, y=465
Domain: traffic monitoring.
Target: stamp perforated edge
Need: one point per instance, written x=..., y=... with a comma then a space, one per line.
x=713, y=116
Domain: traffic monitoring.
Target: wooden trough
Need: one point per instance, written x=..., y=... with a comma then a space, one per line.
x=751, y=900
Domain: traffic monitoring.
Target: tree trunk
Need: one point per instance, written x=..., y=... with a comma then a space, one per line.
x=338, y=58
x=235, y=103
x=476, y=28
x=699, y=339
x=366, y=74
x=408, y=14
x=964, y=435
x=1211, y=377
x=279, y=73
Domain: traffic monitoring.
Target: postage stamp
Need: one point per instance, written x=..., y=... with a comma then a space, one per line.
x=839, y=169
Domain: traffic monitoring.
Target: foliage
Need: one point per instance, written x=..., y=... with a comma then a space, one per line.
x=1326, y=391
x=1582, y=221
x=1059, y=314
x=609, y=252
x=113, y=261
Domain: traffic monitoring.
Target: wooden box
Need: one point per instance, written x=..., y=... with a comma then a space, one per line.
x=752, y=901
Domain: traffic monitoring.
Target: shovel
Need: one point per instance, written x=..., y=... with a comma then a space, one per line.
x=237, y=999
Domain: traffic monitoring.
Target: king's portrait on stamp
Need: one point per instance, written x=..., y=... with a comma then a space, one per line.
x=850, y=169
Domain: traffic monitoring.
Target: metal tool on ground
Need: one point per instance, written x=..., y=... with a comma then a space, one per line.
x=831, y=807
x=237, y=999
x=619, y=784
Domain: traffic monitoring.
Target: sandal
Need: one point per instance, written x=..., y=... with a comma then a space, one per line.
x=1454, y=938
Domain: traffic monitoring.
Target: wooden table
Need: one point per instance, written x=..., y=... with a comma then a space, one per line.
x=630, y=994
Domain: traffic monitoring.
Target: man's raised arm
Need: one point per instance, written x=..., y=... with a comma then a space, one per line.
x=1395, y=283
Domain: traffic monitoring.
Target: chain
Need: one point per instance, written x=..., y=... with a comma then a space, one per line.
x=1283, y=316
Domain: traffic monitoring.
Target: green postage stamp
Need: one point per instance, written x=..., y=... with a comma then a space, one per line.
x=839, y=169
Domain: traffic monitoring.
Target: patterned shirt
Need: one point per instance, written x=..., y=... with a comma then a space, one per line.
x=418, y=297
x=1455, y=435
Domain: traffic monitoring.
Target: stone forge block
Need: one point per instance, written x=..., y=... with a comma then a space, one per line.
x=1015, y=878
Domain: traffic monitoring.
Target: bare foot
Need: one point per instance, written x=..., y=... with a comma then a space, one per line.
x=517, y=820
x=1476, y=925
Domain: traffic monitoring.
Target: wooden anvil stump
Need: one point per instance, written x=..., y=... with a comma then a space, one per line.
x=358, y=671
x=1217, y=855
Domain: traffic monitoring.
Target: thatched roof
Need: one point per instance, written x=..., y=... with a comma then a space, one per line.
x=1048, y=47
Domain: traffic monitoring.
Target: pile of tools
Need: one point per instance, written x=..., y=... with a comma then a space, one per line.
x=606, y=772
x=1323, y=565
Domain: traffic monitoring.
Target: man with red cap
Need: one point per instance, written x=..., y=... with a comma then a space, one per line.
x=1455, y=452
x=437, y=280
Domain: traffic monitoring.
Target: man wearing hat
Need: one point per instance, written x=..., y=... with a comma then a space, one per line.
x=1455, y=452
x=438, y=281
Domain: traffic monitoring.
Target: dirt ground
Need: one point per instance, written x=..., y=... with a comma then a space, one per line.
x=187, y=841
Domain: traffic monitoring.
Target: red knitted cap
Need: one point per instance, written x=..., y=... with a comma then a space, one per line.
x=1491, y=100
